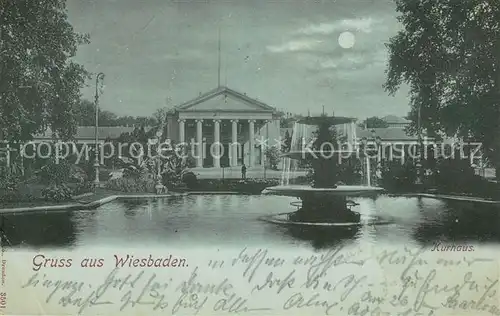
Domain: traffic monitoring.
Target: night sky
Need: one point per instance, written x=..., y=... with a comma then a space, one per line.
x=158, y=53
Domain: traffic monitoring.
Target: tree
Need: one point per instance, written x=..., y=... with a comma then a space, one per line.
x=448, y=52
x=374, y=122
x=84, y=113
x=39, y=82
x=287, y=143
x=160, y=116
x=273, y=156
x=288, y=119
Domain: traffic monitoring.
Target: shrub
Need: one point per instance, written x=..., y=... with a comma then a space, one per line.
x=9, y=184
x=137, y=185
x=83, y=187
x=397, y=177
x=273, y=155
x=57, y=193
x=54, y=172
x=456, y=175
x=189, y=178
x=350, y=172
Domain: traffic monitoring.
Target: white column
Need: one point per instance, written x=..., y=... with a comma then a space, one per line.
x=251, y=146
x=216, y=144
x=262, y=155
x=182, y=130
x=234, y=143
x=199, y=141
x=204, y=148
x=368, y=172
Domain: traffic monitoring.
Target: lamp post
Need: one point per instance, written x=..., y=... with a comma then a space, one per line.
x=418, y=181
x=264, y=149
x=99, y=78
x=159, y=186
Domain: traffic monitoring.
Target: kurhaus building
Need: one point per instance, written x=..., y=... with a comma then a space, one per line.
x=224, y=116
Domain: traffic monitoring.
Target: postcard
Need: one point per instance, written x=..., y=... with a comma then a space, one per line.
x=327, y=157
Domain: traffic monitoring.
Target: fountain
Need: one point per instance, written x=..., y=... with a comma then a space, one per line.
x=325, y=202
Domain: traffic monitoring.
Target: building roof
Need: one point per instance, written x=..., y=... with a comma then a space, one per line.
x=388, y=134
x=392, y=119
x=88, y=132
x=225, y=92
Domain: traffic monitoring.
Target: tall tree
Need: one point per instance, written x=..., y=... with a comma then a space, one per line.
x=374, y=122
x=39, y=82
x=448, y=52
x=84, y=112
x=84, y=115
x=287, y=142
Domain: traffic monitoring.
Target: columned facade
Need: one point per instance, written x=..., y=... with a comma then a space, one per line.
x=233, y=139
x=223, y=129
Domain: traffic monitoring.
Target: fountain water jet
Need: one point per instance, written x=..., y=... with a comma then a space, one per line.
x=324, y=202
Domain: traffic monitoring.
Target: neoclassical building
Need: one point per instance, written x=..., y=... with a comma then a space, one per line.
x=224, y=116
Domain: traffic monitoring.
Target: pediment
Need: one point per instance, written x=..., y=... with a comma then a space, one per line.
x=224, y=99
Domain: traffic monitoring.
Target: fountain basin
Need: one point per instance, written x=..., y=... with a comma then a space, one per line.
x=283, y=219
x=341, y=190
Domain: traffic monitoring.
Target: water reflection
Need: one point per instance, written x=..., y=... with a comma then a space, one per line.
x=44, y=229
x=324, y=237
x=461, y=222
x=233, y=220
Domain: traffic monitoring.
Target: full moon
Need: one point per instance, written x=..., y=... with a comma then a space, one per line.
x=347, y=40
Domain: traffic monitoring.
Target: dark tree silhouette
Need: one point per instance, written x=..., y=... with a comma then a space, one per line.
x=374, y=122
x=448, y=52
x=39, y=82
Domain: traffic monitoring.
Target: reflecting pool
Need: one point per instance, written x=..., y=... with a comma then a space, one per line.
x=233, y=220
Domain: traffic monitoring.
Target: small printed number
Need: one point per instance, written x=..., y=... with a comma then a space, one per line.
x=3, y=299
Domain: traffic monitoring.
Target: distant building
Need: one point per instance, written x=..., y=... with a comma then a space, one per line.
x=225, y=116
x=394, y=137
x=86, y=134
x=396, y=121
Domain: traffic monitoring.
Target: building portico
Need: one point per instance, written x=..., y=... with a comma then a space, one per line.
x=224, y=128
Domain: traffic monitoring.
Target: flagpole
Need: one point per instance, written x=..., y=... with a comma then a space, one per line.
x=218, y=62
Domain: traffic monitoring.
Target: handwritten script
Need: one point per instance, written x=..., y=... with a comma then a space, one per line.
x=339, y=281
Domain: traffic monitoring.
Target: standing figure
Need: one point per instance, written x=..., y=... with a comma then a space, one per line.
x=243, y=171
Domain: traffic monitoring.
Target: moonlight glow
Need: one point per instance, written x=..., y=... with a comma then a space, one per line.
x=346, y=40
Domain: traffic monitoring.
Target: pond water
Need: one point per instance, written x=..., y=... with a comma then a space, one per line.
x=233, y=220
